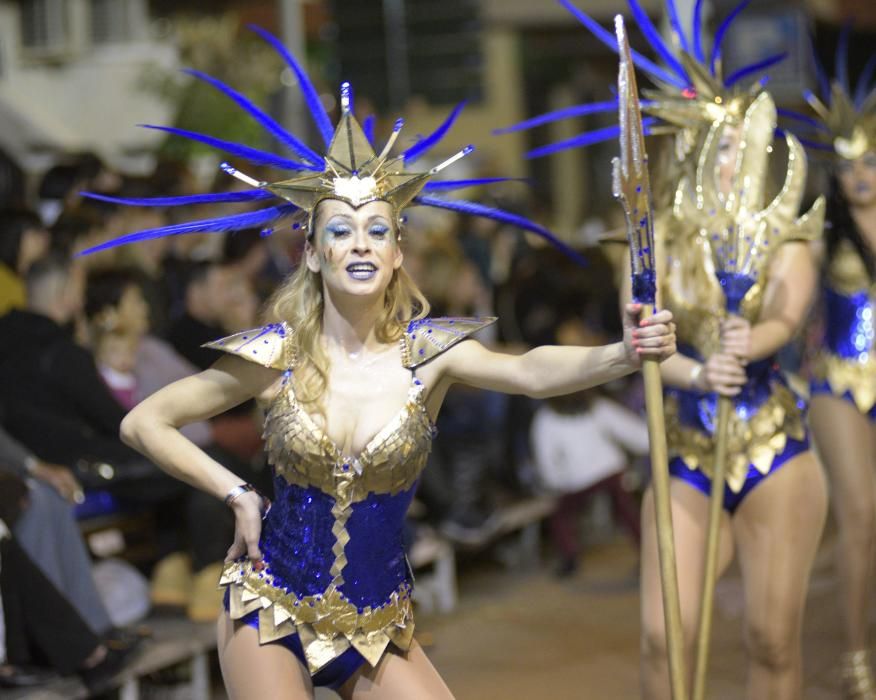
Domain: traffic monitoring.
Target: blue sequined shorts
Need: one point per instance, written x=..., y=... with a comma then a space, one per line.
x=732, y=500
x=333, y=675
x=823, y=387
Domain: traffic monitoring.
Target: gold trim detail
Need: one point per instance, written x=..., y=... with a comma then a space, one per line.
x=754, y=441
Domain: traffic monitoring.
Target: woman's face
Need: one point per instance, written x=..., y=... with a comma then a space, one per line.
x=133, y=311
x=34, y=244
x=728, y=150
x=354, y=249
x=857, y=178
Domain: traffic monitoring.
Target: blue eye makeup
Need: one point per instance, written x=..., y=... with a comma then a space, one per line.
x=338, y=229
x=379, y=230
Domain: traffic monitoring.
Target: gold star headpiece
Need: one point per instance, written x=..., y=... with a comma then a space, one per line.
x=691, y=92
x=847, y=128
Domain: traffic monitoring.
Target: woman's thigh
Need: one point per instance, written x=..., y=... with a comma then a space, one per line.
x=777, y=530
x=398, y=676
x=253, y=670
x=690, y=516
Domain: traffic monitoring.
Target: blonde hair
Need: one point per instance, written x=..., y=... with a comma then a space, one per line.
x=299, y=302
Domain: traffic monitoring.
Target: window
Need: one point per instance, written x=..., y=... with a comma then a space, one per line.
x=110, y=21
x=391, y=49
x=45, y=26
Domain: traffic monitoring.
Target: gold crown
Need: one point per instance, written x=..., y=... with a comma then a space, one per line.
x=741, y=220
x=707, y=101
x=849, y=130
x=354, y=172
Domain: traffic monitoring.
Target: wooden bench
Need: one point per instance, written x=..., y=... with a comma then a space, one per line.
x=174, y=641
x=433, y=558
x=523, y=519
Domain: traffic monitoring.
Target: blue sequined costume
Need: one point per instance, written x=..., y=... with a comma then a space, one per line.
x=336, y=589
x=767, y=426
x=846, y=364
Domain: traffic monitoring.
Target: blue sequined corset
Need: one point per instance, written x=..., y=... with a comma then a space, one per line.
x=846, y=364
x=848, y=324
x=336, y=573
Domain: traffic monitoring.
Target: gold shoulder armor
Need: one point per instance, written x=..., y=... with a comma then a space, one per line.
x=427, y=338
x=266, y=345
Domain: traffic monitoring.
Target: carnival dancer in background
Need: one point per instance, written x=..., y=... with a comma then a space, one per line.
x=352, y=372
x=843, y=406
x=723, y=145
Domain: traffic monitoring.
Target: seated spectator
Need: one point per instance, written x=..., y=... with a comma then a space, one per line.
x=41, y=627
x=205, y=295
x=581, y=446
x=134, y=364
x=46, y=529
x=23, y=240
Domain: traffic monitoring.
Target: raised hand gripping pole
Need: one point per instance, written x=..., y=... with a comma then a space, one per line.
x=632, y=188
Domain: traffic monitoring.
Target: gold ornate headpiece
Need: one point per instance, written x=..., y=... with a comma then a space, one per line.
x=691, y=92
x=845, y=125
x=740, y=224
x=349, y=169
x=354, y=172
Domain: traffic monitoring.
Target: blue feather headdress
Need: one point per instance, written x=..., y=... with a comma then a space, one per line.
x=691, y=91
x=843, y=122
x=350, y=170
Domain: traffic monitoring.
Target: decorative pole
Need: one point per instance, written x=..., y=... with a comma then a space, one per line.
x=734, y=253
x=632, y=188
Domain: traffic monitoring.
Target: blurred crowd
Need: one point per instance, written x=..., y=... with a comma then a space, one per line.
x=83, y=339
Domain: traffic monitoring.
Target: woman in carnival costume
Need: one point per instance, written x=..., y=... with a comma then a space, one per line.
x=352, y=372
x=775, y=494
x=844, y=382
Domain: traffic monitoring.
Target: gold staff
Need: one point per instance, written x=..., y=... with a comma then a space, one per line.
x=633, y=189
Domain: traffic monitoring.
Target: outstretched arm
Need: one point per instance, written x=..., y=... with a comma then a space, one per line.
x=551, y=370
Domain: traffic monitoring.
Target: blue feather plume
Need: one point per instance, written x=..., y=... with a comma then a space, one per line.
x=676, y=25
x=254, y=155
x=235, y=222
x=218, y=197
x=450, y=185
x=269, y=123
x=564, y=113
x=426, y=144
x=842, y=57
x=368, y=128
x=610, y=41
x=586, y=139
x=474, y=209
x=311, y=98
x=657, y=43
x=815, y=145
x=864, y=87
x=721, y=31
x=754, y=68
x=698, y=32
x=802, y=118
x=820, y=72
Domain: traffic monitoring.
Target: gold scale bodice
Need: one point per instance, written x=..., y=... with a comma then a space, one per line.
x=332, y=592
x=690, y=289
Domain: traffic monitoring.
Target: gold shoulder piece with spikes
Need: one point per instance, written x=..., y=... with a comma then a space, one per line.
x=266, y=346
x=427, y=338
